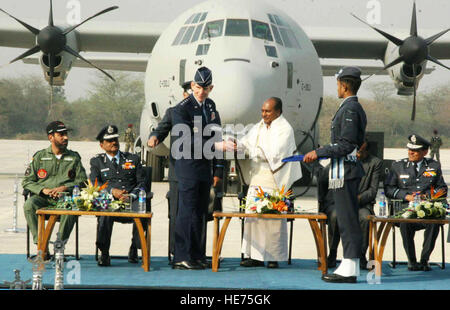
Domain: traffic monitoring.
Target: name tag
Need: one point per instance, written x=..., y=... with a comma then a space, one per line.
x=68, y=158
x=106, y=169
x=46, y=158
x=404, y=176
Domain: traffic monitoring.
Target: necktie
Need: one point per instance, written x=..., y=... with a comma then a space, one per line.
x=114, y=161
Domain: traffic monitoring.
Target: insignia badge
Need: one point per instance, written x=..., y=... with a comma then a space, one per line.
x=429, y=174
x=42, y=173
x=71, y=174
x=413, y=139
x=110, y=129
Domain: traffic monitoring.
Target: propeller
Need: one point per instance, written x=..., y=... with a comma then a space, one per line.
x=413, y=51
x=52, y=40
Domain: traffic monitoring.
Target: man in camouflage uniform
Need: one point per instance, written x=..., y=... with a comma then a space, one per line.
x=436, y=143
x=130, y=136
x=52, y=171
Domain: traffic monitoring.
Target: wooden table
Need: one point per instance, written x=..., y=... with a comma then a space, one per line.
x=317, y=221
x=44, y=232
x=378, y=235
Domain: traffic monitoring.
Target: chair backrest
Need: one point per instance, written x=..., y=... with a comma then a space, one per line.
x=148, y=186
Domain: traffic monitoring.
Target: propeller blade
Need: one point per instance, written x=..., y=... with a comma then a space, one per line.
x=50, y=16
x=93, y=16
x=31, y=28
x=413, y=31
x=51, y=65
x=397, y=61
x=30, y=52
x=74, y=53
x=431, y=58
x=391, y=38
x=413, y=114
x=431, y=39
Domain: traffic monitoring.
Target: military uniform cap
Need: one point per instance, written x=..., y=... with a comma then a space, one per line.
x=352, y=72
x=56, y=126
x=416, y=142
x=186, y=85
x=108, y=132
x=203, y=77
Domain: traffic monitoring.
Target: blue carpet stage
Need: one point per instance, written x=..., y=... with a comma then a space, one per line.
x=300, y=275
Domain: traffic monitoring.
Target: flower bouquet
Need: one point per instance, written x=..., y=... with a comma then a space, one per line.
x=433, y=207
x=276, y=203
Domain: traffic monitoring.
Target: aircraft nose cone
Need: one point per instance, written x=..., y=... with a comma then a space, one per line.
x=236, y=93
x=51, y=40
x=414, y=50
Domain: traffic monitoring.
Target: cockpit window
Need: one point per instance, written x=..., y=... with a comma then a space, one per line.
x=271, y=51
x=202, y=49
x=261, y=30
x=188, y=34
x=179, y=36
x=276, y=34
x=286, y=39
x=189, y=20
x=213, y=29
x=237, y=27
x=203, y=17
x=196, y=18
x=197, y=32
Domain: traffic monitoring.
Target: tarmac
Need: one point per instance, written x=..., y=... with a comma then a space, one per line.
x=16, y=154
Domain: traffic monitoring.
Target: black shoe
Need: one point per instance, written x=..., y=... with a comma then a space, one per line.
x=335, y=278
x=104, y=260
x=331, y=262
x=425, y=265
x=252, y=263
x=185, y=265
x=204, y=263
x=272, y=265
x=132, y=255
x=414, y=266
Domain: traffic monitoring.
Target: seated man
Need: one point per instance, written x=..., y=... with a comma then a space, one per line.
x=368, y=188
x=52, y=171
x=412, y=176
x=125, y=177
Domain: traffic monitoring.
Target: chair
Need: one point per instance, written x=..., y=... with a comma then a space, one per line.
x=149, y=197
x=395, y=206
x=26, y=193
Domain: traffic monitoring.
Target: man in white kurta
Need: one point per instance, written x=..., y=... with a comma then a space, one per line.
x=267, y=143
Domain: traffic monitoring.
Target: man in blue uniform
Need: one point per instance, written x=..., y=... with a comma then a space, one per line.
x=197, y=134
x=125, y=177
x=347, y=135
x=414, y=176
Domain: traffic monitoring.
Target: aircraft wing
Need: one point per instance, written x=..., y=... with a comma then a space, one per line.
x=362, y=43
x=121, y=63
x=92, y=37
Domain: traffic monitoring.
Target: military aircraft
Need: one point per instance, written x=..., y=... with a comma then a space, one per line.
x=254, y=49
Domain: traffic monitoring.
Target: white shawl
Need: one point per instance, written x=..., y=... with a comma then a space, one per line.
x=282, y=145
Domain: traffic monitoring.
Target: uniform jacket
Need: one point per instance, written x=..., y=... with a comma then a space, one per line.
x=197, y=166
x=348, y=129
x=404, y=180
x=129, y=175
x=46, y=171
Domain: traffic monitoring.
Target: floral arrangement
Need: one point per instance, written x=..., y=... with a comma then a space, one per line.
x=92, y=198
x=276, y=203
x=433, y=207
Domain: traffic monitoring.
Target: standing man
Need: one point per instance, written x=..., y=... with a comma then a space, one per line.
x=52, y=171
x=347, y=136
x=436, y=143
x=267, y=143
x=412, y=176
x=368, y=188
x=193, y=168
x=130, y=137
x=125, y=177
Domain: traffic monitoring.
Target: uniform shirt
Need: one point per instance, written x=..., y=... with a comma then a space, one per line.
x=129, y=174
x=47, y=171
x=194, y=164
x=403, y=179
x=348, y=129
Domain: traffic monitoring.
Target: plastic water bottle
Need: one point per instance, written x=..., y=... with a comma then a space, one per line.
x=382, y=211
x=76, y=192
x=416, y=200
x=142, y=198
